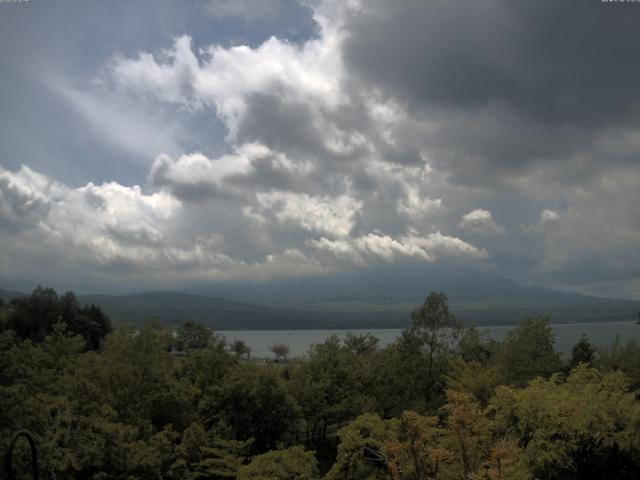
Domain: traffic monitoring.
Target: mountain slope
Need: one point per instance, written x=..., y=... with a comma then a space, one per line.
x=412, y=283
x=475, y=296
x=8, y=295
x=221, y=314
x=368, y=298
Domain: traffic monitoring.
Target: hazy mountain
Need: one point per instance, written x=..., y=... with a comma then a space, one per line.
x=221, y=314
x=370, y=298
x=463, y=285
x=7, y=295
x=475, y=295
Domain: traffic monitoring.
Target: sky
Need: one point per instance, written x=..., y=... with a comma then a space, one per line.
x=165, y=144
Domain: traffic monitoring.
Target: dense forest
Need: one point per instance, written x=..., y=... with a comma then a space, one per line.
x=442, y=402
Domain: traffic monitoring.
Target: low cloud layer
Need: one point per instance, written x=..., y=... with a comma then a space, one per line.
x=491, y=133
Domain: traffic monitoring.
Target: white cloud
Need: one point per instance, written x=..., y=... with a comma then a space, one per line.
x=25, y=196
x=379, y=247
x=323, y=214
x=307, y=151
x=480, y=221
x=112, y=222
x=224, y=78
x=548, y=216
x=546, y=219
x=110, y=229
x=251, y=167
x=201, y=174
x=444, y=245
x=107, y=221
x=414, y=205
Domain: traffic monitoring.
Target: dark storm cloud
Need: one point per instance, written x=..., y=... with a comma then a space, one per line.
x=510, y=85
x=265, y=177
x=557, y=62
x=269, y=115
x=535, y=103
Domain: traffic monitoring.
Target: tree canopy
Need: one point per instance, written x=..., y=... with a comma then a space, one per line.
x=441, y=402
x=33, y=317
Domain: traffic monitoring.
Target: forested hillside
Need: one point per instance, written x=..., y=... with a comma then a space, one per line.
x=363, y=299
x=442, y=402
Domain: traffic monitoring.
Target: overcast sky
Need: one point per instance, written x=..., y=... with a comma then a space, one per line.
x=161, y=144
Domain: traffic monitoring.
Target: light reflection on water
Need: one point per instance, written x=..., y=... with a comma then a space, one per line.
x=599, y=334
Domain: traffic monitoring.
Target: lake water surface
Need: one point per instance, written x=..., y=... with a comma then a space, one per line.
x=299, y=341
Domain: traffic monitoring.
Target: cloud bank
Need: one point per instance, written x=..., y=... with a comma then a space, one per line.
x=486, y=132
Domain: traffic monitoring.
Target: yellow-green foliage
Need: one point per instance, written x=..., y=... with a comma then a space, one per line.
x=586, y=425
x=464, y=444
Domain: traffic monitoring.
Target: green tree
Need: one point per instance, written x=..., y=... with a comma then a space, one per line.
x=476, y=346
x=423, y=351
x=201, y=455
x=205, y=368
x=6, y=310
x=291, y=464
x=330, y=386
x=585, y=427
x=527, y=352
x=435, y=326
x=253, y=402
x=475, y=378
x=63, y=346
x=136, y=376
x=622, y=357
x=418, y=450
x=33, y=317
x=364, y=344
x=193, y=335
x=479, y=449
x=582, y=352
x=359, y=452
x=468, y=431
x=240, y=348
x=280, y=350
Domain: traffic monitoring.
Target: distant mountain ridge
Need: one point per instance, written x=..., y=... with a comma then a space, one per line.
x=368, y=298
x=222, y=314
x=7, y=295
x=475, y=296
x=410, y=282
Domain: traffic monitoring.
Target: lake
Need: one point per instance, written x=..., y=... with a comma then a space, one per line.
x=299, y=341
